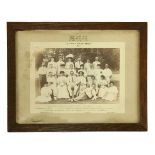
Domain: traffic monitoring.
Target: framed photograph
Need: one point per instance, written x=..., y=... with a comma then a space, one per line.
x=77, y=76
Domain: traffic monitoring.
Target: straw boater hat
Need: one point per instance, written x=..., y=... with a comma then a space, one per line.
x=69, y=56
x=62, y=72
x=81, y=71
x=52, y=73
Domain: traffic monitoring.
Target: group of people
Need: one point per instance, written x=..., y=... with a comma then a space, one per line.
x=75, y=80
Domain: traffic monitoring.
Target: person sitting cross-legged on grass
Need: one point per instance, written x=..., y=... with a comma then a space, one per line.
x=88, y=93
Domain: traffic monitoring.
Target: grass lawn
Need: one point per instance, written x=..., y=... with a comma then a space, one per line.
x=87, y=101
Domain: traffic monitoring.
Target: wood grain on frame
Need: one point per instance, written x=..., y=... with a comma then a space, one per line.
x=12, y=27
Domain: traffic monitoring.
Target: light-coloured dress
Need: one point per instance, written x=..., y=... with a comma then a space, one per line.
x=107, y=73
x=112, y=93
x=45, y=95
x=103, y=89
x=62, y=88
x=87, y=67
x=98, y=73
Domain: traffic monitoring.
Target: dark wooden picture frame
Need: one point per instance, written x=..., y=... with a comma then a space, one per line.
x=13, y=27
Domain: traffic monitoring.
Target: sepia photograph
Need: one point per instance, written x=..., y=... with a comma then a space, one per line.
x=77, y=75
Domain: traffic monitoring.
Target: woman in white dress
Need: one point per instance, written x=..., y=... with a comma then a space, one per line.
x=62, y=86
x=112, y=93
x=87, y=67
x=102, y=87
x=96, y=62
x=107, y=73
x=45, y=94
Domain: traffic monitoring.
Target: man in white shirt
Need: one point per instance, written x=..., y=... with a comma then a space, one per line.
x=96, y=62
x=72, y=85
x=107, y=73
x=78, y=63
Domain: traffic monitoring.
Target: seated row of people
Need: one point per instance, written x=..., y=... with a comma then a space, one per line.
x=77, y=87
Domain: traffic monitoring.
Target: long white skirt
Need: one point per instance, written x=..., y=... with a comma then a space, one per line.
x=62, y=92
x=102, y=92
x=43, y=99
